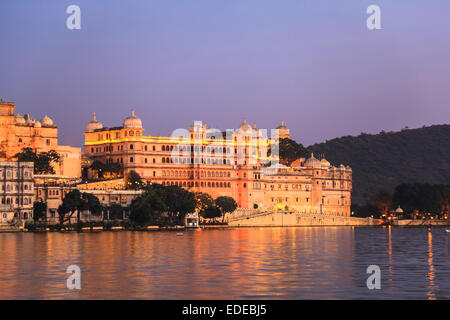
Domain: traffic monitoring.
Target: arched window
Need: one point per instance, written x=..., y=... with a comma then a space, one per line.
x=163, y=148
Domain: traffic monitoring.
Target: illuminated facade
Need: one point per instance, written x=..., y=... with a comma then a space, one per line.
x=223, y=163
x=17, y=191
x=18, y=132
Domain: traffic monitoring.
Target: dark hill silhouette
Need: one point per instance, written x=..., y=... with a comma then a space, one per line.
x=387, y=159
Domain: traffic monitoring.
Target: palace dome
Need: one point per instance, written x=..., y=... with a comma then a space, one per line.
x=324, y=162
x=132, y=122
x=28, y=119
x=19, y=119
x=245, y=126
x=37, y=124
x=312, y=162
x=94, y=125
x=46, y=121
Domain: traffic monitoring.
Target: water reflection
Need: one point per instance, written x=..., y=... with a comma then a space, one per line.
x=430, y=274
x=250, y=263
x=390, y=254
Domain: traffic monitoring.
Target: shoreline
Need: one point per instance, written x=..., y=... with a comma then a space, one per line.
x=221, y=227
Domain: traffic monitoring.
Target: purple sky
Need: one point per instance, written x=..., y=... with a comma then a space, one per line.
x=312, y=63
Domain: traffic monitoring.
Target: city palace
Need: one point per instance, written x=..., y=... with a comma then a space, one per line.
x=232, y=163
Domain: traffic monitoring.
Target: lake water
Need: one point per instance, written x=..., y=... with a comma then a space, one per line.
x=247, y=263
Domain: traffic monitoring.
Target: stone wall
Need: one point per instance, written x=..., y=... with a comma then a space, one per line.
x=292, y=219
x=419, y=222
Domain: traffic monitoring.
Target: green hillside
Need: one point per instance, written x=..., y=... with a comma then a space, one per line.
x=388, y=159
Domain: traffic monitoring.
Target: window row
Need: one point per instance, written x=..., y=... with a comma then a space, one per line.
x=189, y=184
x=14, y=174
x=15, y=187
x=13, y=200
x=197, y=174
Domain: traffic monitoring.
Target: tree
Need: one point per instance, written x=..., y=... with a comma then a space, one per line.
x=75, y=201
x=43, y=162
x=114, y=169
x=133, y=180
x=423, y=197
x=445, y=200
x=63, y=210
x=383, y=161
x=115, y=211
x=225, y=205
x=91, y=203
x=142, y=212
x=99, y=168
x=204, y=201
x=147, y=208
x=179, y=202
x=212, y=212
x=364, y=211
x=383, y=201
x=70, y=204
x=39, y=210
x=110, y=169
x=290, y=150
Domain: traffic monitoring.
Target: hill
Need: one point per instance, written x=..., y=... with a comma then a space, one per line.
x=388, y=159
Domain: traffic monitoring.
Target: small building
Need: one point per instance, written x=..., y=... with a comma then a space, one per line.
x=17, y=191
x=191, y=220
